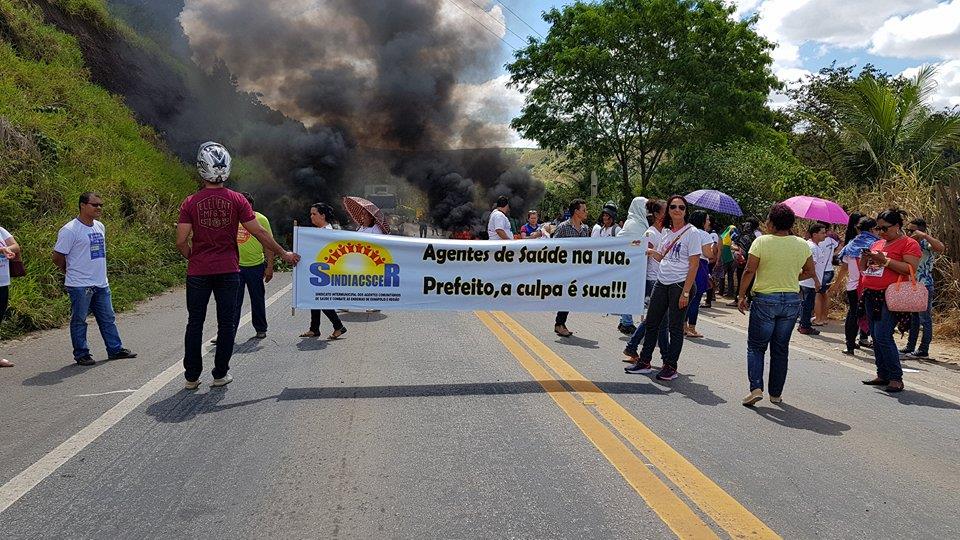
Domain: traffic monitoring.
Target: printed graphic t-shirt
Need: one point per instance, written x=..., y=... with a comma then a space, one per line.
x=4, y=262
x=251, y=251
x=878, y=278
x=215, y=214
x=85, y=249
x=677, y=248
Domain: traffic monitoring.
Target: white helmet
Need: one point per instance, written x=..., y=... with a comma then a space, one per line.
x=213, y=162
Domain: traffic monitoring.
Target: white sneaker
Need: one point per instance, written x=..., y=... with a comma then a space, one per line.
x=192, y=385
x=227, y=379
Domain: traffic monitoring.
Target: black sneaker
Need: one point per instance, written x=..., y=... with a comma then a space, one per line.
x=866, y=344
x=809, y=331
x=121, y=354
x=906, y=350
x=85, y=360
x=641, y=367
x=919, y=354
x=667, y=374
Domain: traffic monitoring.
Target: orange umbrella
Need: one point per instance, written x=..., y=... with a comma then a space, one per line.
x=358, y=206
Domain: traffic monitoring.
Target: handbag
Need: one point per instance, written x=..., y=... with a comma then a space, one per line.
x=909, y=297
x=16, y=267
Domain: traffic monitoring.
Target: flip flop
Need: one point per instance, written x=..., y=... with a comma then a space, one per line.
x=309, y=333
x=564, y=333
x=337, y=333
x=5, y=363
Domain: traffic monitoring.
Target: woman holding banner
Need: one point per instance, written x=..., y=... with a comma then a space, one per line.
x=679, y=257
x=319, y=215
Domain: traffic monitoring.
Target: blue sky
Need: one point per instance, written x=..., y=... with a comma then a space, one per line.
x=897, y=36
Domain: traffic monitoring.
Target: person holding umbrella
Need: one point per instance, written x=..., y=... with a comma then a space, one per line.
x=366, y=215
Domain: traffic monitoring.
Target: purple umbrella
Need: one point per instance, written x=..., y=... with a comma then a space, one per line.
x=817, y=209
x=717, y=201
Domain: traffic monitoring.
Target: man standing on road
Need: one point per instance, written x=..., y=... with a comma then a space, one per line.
x=575, y=227
x=81, y=254
x=207, y=238
x=498, y=228
x=256, y=269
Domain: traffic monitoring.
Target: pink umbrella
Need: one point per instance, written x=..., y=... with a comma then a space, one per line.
x=817, y=209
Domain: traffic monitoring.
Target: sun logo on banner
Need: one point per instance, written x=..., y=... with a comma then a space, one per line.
x=354, y=263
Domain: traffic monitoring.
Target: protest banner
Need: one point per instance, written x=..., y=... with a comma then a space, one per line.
x=351, y=270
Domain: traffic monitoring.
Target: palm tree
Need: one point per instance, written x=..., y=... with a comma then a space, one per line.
x=885, y=126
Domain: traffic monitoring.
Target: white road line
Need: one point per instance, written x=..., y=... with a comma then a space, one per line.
x=106, y=393
x=21, y=484
x=870, y=371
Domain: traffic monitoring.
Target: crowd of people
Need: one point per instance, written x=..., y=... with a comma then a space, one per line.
x=784, y=280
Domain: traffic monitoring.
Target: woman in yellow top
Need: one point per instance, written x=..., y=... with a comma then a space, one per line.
x=776, y=264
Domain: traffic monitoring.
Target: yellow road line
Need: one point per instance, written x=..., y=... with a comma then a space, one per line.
x=671, y=509
x=711, y=498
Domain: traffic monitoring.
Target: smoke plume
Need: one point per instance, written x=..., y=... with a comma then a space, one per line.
x=355, y=80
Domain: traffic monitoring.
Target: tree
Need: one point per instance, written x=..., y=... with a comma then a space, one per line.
x=629, y=80
x=883, y=129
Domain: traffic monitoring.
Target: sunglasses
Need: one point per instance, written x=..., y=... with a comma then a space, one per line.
x=677, y=207
x=95, y=205
x=883, y=228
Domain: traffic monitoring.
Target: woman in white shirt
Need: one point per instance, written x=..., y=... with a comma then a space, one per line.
x=320, y=213
x=370, y=225
x=700, y=220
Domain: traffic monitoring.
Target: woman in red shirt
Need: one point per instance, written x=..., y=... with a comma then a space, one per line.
x=893, y=256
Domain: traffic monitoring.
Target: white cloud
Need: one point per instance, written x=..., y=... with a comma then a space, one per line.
x=743, y=7
x=948, y=84
x=933, y=32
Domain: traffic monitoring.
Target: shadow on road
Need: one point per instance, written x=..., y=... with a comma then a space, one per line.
x=186, y=405
x=579, y=342
x=707, y=342
x=792, y=417
x=361, y=316
x=439, y=390
x=909, y=397
x=699, y=393
x=311, y=344
x=51, y=378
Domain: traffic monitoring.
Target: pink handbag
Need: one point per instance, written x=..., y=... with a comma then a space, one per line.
x=909, y=297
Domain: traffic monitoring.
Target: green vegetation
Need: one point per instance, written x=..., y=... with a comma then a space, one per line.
x=61, y=135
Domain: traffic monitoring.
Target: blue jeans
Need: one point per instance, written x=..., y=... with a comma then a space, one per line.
x=885, y=352
x=809, y=295
x=199, y=288
x=693, y=310
x=251, y=278
x=923, y=321
x=96, y=300
x=771, y=323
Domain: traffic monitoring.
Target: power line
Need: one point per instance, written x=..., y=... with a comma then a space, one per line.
x=487, y=28
x=504, y=25
x=506, y=7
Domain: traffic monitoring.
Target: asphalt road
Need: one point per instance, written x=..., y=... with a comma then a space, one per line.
x=459, y=425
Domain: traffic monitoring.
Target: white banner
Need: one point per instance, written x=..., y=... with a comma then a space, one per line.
x=349, y=270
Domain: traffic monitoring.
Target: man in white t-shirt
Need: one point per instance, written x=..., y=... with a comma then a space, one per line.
x=498, y=227
x=828, y=246
x=81, y=254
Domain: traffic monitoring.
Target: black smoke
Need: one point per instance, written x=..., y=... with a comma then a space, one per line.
x=304, y=88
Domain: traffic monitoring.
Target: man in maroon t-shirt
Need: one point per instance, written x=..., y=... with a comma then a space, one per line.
x=207, y=238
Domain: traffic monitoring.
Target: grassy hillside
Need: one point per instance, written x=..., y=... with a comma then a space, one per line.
x=61, y=135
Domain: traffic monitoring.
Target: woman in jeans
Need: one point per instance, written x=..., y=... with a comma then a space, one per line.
x=851, y=268
x=700, y=220
x=679, y=257
x=894, y=256
x=8, y=250
x=776, y=264
x=656, y=212
x=917, y=229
